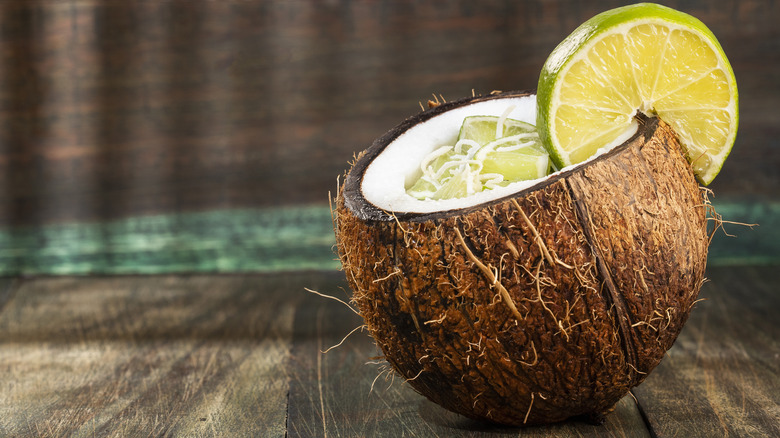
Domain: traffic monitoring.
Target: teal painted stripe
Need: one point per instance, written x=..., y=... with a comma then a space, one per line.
x=750, y=234
x=293, y=238
x=277, y=239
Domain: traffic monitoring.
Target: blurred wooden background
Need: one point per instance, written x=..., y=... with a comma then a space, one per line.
x=115, y=110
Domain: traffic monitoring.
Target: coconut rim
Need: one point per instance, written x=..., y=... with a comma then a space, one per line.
x=365, y=210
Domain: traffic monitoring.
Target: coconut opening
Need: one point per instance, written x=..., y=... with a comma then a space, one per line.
x=386, y=178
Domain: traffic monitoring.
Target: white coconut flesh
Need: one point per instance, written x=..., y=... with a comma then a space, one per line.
x=391, y=172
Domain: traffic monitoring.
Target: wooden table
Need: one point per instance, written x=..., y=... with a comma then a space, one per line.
x=241, y=355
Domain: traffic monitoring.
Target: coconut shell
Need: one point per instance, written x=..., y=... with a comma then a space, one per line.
x=548, y=304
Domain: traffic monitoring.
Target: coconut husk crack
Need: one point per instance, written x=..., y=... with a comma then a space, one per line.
x=610, y=292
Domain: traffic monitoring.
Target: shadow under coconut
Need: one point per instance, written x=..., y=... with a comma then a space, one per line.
x=434, y=414
x=625, y=417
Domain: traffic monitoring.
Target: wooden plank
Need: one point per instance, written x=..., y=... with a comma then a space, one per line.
x=148, y=356
x=247, y=240
x=7, y=288
x=349, y=392
x=210, y=356
x=722, y=377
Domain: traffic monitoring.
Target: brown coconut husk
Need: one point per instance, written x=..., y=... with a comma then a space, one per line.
x=548, y=304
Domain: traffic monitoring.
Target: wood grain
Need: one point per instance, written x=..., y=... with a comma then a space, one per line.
x=247, y=240
x=147, y=356
x=119, y=109
x=7, y=289
x=722, y=377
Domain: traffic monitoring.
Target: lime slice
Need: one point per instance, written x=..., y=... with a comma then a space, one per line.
x=490, y=152
x=645, y=58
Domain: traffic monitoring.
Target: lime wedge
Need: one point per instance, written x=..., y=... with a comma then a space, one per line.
x=490, y=152
x=482, y=129
x=640, y=58
x=514, y=166
x=454, y=187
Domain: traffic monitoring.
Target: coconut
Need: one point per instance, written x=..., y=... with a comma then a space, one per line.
x=535, y=302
